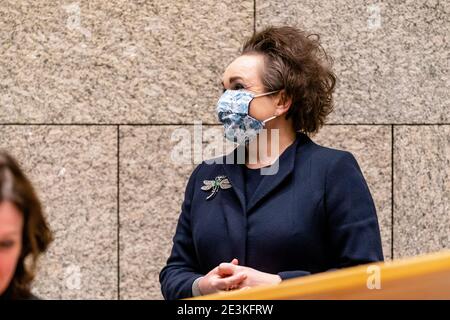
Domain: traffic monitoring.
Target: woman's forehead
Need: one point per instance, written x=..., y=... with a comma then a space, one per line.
x=10, y=218
x=247, y=67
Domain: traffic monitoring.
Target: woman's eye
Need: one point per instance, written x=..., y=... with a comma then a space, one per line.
x=238, y=86
x=6, y=244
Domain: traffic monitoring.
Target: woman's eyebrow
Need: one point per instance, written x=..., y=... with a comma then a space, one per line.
x=10, y=234
x=232, y=79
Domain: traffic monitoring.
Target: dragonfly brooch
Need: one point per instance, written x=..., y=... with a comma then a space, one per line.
x=220, y=182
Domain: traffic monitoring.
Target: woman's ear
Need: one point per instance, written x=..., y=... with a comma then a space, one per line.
x=283, y=103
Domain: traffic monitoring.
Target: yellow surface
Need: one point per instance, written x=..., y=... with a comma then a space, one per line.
x=421, y=277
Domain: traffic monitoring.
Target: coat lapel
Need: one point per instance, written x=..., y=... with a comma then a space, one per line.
x=268, y=183
x=235, y=173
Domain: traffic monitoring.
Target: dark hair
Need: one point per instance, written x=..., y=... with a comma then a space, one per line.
x=36, y=235
x=296, y=62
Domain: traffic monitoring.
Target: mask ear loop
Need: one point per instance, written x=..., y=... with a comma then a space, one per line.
x=267, y=120
x=265, y=94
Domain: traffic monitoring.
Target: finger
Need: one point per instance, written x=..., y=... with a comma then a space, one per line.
x=226, y=269
x=237, y=287
x=235, y=261
x=229, y=282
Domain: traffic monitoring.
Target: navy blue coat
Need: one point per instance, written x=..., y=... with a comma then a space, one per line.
x=315, y=214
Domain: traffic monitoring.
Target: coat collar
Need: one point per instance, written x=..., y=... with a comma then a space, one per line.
x=235, y=172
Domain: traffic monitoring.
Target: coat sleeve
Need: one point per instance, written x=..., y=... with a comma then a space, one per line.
x=354, y=233
x=351, y=221
x=177, y=276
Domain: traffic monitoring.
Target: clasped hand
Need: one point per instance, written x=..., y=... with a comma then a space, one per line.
x=232, y=276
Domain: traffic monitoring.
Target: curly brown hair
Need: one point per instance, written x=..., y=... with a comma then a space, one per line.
x=36, y=235
x=296, y=62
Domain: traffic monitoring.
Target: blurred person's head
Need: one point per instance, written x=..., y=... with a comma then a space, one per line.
x=24, y=233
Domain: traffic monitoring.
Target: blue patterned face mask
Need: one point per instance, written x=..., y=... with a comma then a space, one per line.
x=232, y=110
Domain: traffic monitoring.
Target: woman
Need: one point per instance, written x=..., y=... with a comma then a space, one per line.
x=240, y=227
x=24, y=233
